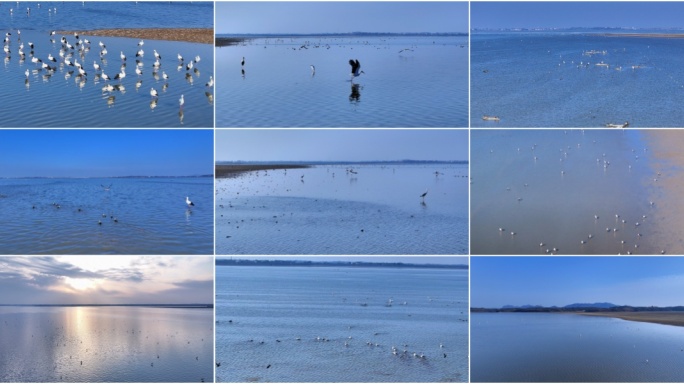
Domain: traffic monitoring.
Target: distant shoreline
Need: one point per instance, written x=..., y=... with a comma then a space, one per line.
x=188, y=306
x=190, y=35
x=346, y=264
x=232, y=170
x=645, y=35
x=667, y=318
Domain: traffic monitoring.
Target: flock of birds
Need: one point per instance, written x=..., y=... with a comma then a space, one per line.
x=621, y=232
x=355, y=68
x=356, y=338
x=73, y=56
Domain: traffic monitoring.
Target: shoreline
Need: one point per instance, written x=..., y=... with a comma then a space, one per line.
x=228, y=41
x=665, y=318
x=232, y=170
x=645, y=35
x=190, y=35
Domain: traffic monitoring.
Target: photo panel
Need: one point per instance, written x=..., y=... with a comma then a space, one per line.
x=342, y=64
x=342, y=319
x=341, y=192
x=94, y=64
x=112, y=192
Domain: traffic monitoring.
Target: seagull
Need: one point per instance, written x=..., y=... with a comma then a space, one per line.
x=123, y=57
x=424, y=194
x=156, y=55
x=243, y=61
x=181, y=101
x=180, y=58
x=153, y=92
x=210, y=83
x=96, y=66
x=313, y=69
x=356, y=68
x=106, y=188
x=188, y=202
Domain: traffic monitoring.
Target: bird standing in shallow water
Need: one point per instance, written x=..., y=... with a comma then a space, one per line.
x=188, y=202
x=243, y=61
x=423, y=195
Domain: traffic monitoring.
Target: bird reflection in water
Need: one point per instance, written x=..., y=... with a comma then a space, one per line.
x=355, y=95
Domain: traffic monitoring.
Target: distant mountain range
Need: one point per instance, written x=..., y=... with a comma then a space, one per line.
x=569, y=306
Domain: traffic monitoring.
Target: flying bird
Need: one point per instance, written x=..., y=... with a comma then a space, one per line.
x=355, y=68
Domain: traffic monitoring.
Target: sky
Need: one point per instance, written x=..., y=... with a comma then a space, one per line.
x=105, y=153
x=448, y=260
x=565, y=14
x=106, y=280
x=636, y=281
x=341, y=145
x=340, y=17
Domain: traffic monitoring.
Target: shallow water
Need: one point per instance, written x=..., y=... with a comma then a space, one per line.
x=545, y=80
x=327, y=210
x=561, y=192
x=266, y=304
x=528, y=347
x=63, y=98
x=106, y=344
x=426, y=86
x=151, y=212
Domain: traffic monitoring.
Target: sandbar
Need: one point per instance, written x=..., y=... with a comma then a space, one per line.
x=225, y=41
x=646, y=35
x=667, y=318
x=667, y=161
x=190, y=35
x=232, y=170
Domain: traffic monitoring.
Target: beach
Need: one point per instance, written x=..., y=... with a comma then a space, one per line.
x=667, y=318
x=190, y=35
x=667, y=161
x=232, y=170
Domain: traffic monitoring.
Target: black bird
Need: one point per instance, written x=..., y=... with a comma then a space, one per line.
x=243, y=61
x=355, y=68
x=218, y=364
x=268, y=366
x=424, y=194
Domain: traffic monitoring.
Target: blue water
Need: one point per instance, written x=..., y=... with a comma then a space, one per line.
x=546, y=80
x=327, y=210
x=106, y=344
x=547, y=186
x=257, y=306
x=61, y=98
x=151, y=213
x=424, y=86
x=528, y=347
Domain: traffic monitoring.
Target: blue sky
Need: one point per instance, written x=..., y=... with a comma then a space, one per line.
x=341, y=145
x=340, y=17
x=105, y=153
x=562, y=14
x=637, y=281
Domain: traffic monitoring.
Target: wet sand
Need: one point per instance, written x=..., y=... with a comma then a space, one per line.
x=667, y=318
x=232, y=170
x=191, y=35
x=225, y=41
x=667, y=163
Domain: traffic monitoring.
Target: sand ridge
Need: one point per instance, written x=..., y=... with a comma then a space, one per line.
x=191, y=35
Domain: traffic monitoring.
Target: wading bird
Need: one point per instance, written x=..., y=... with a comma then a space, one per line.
x=355, y=69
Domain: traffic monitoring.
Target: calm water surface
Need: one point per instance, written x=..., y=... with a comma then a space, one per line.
x=106, y=344
x=327, y=210
x=425, y=85
x=48, y=94
x=528, y=347
x=548, y=80
x=341, y=305
x=547, y=186
x=151, y=214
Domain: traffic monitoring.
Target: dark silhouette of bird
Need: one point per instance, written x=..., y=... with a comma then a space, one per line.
x=355, y=68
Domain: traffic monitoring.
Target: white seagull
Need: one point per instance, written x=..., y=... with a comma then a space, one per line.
x=188, y=202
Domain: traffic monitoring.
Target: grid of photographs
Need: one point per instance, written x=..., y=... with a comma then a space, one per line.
x=323, y=191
